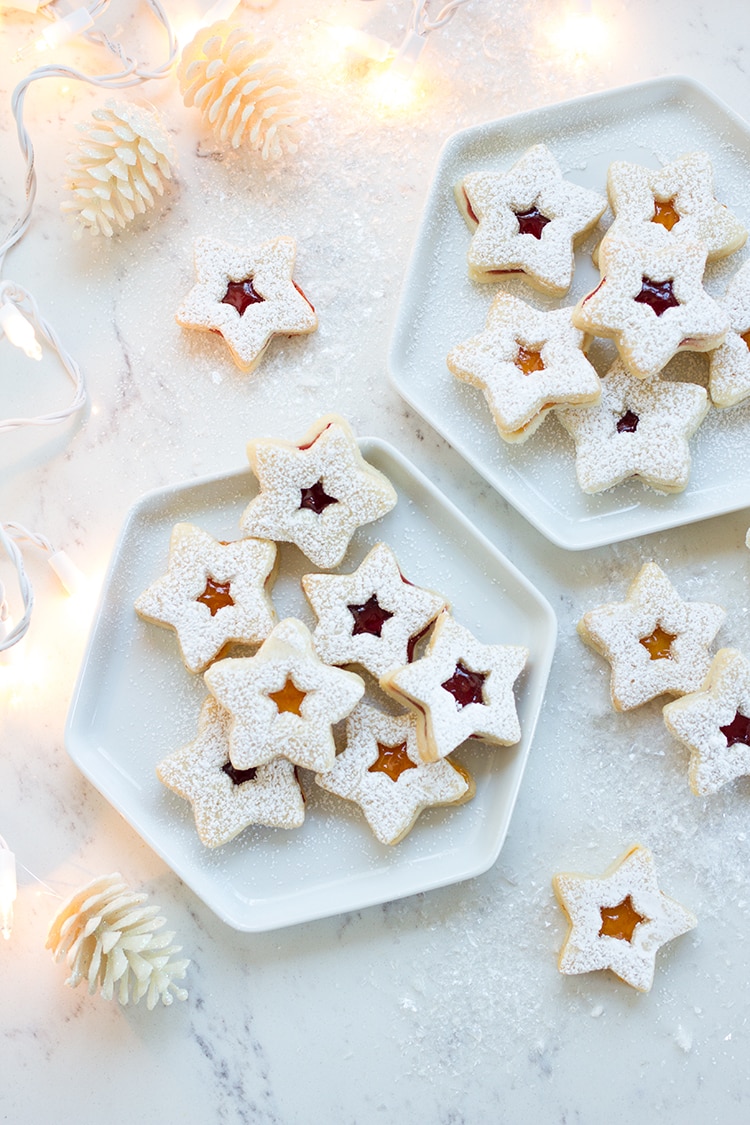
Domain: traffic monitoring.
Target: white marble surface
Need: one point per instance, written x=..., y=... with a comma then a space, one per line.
x=446, y=1007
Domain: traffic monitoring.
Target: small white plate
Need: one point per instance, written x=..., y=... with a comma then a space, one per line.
x=650, y=123
x=135, y=702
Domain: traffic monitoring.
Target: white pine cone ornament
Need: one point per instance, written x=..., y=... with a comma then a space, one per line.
x=245, y=97
x=120, y=166
x=109, y=939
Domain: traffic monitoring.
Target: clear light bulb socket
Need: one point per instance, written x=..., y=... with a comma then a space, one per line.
x=71, y=577
x=59, y=32
x=408, y=54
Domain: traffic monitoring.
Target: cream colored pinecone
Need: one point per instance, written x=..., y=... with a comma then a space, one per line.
x=246, y=98
x=121, y=163
x=108, y=938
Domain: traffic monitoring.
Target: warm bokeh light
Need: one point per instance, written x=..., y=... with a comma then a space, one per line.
x=580, y=34
x=393, y=92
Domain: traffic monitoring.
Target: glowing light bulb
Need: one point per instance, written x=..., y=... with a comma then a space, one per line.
x=580, y=34
x=19, y=330
x=8, y=888
x=360, y=42
x=59, y=32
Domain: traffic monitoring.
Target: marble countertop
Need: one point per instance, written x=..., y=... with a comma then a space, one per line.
x=445, y=1006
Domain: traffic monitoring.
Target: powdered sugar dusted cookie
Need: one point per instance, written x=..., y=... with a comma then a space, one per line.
x=526, y=221
x=652, y=303
x=381, y=770
x=729, y=372
x=373, y=617
x=460, y=689
x=714, y=723
x=315, y=493
x=620, y=920
x=640, y=428
x=675, y=201
x=247, y=295
x=225, y=800
x=525, y=361
x=213, y=593
x=284, y=700
x=655, y=642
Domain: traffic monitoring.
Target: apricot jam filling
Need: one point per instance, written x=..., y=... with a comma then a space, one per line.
x=628, y=424
x=369, y=617
x=659, y=644
x=241, y=294
x=315, y=498
x=658, y=295
x=620, y=921
x=238, y=777
x=392, y=761
x=528, y=360
x=665, y=213
x=216, y=595
x=738, y=730
x=531, y=221
x=465, y=686
x=289, y=698
x=746, y=337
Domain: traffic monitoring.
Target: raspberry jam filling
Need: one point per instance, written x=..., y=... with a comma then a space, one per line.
x=620, y=921
x=315, y=498
x=289, y=698
x=465, y=686
x=628, y=424
x=310, y=444
x=392, y=761
x=658, y=295
x=241, y=294
x=659, y=644
x=738, y=730
x=238, y=777
x=528, y=360
x=531, y=222
x=216, y=595
x=369, y=617
x=302, y=295
x=469, y=209
x=665, y=213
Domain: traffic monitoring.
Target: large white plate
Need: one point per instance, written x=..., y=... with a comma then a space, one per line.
x=649, y=124
x=135, y=702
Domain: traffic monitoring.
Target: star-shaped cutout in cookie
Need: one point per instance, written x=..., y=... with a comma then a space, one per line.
x=226, y=800
x=213, y=593
x=315, y=493
x=652, y=303
x=640, y=428
x=460, y=689
x=729, y=371
x=620, y=920
x=525, y=361
x=247, y=295
x=284, y=700
x=714, y=723
x=655, y=642
x=381, y=770
x=676, y=201
x=373, y=617
x=526, y=220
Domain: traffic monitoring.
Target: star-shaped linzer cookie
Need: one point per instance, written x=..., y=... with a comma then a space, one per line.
x=460, y=689
x=639, y=428
x=525, y=361
x=213, y=593
x=729, y=372
x=620, y=920
x=226, y=800
x=676, y=201
x=714, y=723
x=373, y=617
x=316, y=492
x=284, y=700
x=655, y=642
x=381, y=770
x=652, y=303
x=247, y=295
x=526, y=221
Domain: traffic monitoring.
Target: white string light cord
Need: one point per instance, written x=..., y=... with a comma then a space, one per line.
x=67, y=572
x=419, y=26
x=19, y=314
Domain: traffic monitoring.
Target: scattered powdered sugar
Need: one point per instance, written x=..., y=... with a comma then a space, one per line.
x=407, y=611
x=618, y=631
